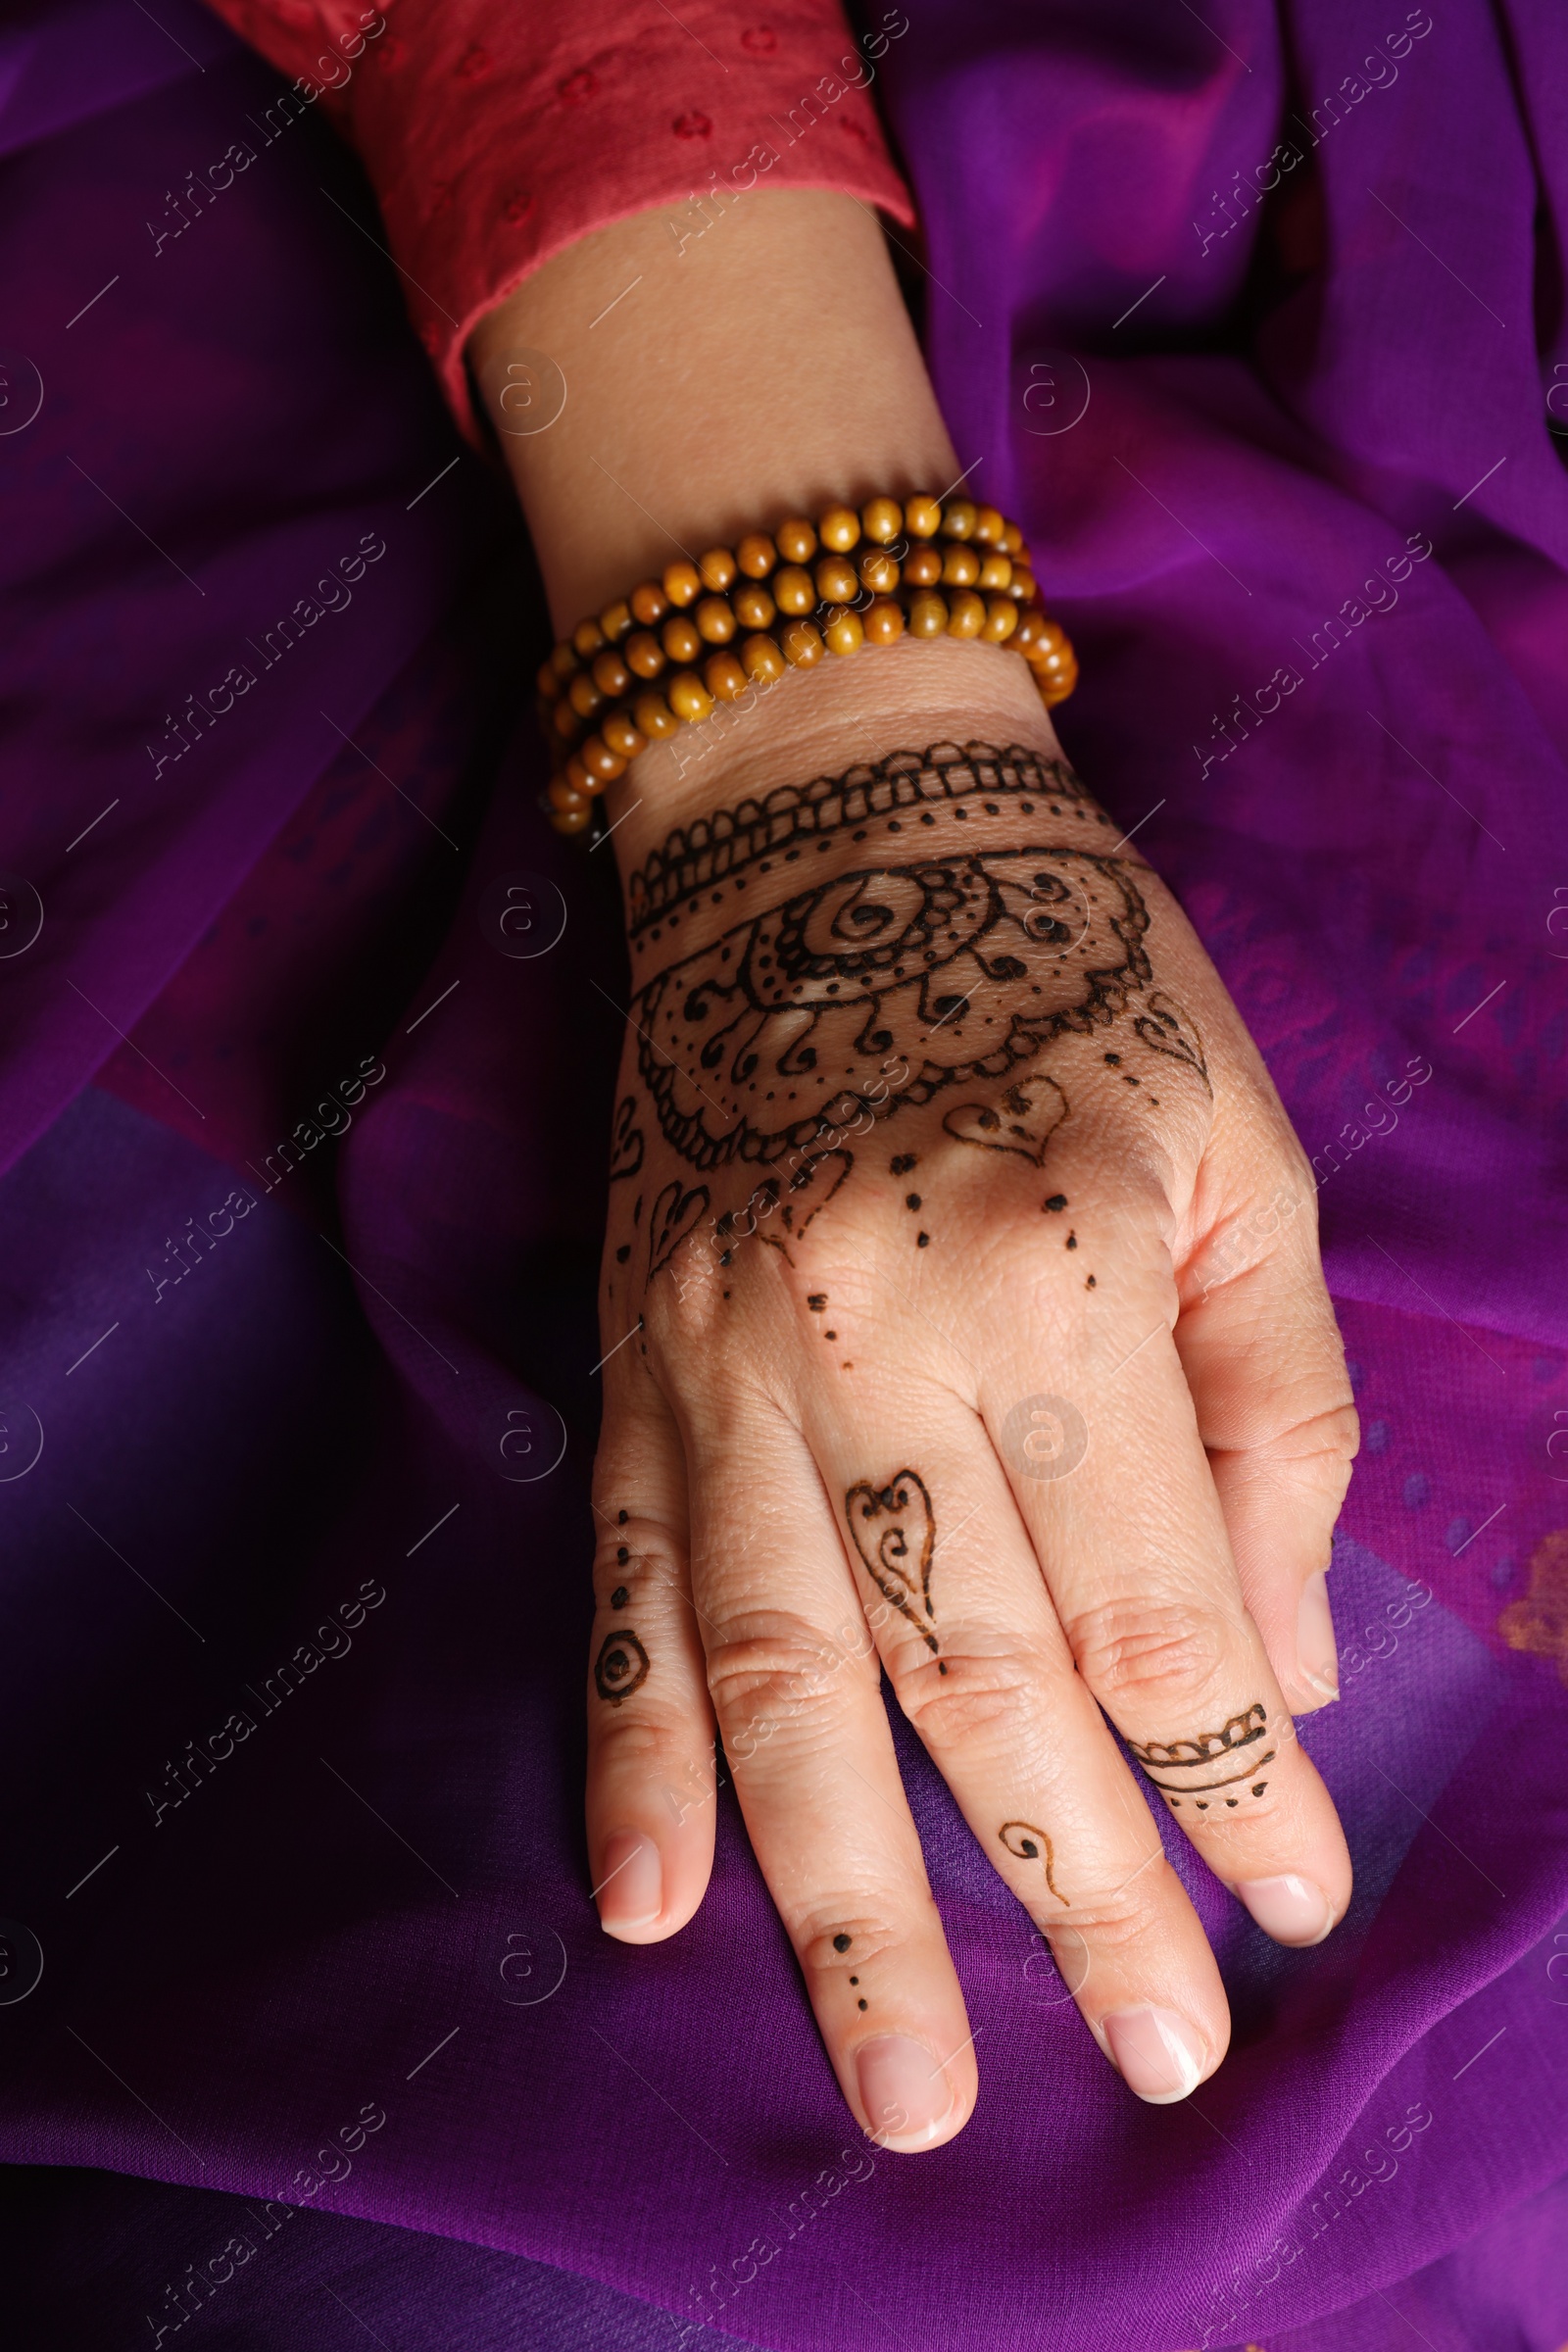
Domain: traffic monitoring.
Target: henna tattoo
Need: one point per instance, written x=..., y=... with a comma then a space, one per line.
x=903, y=787
x=1029, y=1844
x=896, y=1552
x=626, y=1142
x=621, y=1666
x=1024, y=1121
x=946, y=955
x=1205, y=1753
x=673, y=1215
x=1174, y=1033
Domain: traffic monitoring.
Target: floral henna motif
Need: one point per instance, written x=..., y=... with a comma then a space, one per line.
x=894, y=1532
x=957, y=965
x=1172, y=1032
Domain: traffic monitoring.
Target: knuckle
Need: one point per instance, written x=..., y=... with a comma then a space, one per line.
x=835, y=1937
x=1146, y=1657
x=982, y=1698
x=1115, y=1919
x=775, y=1673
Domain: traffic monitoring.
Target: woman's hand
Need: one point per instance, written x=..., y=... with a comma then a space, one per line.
x=964, y=1318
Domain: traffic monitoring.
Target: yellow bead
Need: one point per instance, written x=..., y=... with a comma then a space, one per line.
x=928, y=616
x=960, y=567
x=717, y=569
x=839, y=529
x=836, y=580
x=600, y=761
x=800, y=644
x=583, y=695
x=576, y=774
x=681, y=638
x=922, y=516
x=958, y=519
x=610, y=674
x=762, y=659
x=724, y=678
x=1023, y=584
x=884, y=621
x=682, y=585
x=571, y=821
x=649, y=604
x=966, y=614
x=563, y=661
x=616, y=620
x=797, y=541
x=565, y=721
x=878, y=571
x=1053, y=692
x=795, y=590
x=989, y=523
x=753, y=606
x=996, y=572
x=688, y=698
x=714, y=620
x=922, y=567
x=882, y=520
x=564, y=794
x=1013, y=539
x=655, y=717
x=643, y=653
x=621, y=736
x=1037, y=628
x=843, y=632
x=588, y=638
x=1002, y=618
x=757, y=555
x=548, y=683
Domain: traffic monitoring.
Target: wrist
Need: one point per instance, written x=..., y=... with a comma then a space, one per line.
x=903, y=697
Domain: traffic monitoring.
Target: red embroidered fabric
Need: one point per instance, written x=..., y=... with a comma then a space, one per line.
x=494, y=139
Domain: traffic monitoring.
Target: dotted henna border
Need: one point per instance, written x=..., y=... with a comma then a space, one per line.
x=714, y=848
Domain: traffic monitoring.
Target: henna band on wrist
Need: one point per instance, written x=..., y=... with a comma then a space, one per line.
x=630, y=675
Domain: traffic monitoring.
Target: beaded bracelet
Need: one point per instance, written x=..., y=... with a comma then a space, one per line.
x=600, y=705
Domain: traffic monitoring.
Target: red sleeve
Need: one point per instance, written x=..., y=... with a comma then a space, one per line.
x=496, y=137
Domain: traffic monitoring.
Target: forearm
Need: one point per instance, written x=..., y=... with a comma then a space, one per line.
x=766, y=368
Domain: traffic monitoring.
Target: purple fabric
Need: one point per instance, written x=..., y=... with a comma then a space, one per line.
x=376, y=1899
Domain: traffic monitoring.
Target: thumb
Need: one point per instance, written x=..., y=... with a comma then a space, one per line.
x=1265, y=1366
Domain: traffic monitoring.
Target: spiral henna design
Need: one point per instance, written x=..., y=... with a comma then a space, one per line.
x=940, y=954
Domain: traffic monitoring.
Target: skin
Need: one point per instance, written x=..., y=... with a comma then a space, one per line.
x=1169, y=1584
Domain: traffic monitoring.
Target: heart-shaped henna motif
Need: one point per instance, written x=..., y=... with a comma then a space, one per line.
x=671, y=1218
x=1022, y=1121
x=1171, y=1032
x=626, y=1142
x=894, y=1532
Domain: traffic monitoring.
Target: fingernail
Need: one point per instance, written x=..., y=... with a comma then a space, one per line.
x=1290, y=1909
x=631, y=1890
x=1314, y=1638
x=1159, y=2054
x=904, y=2089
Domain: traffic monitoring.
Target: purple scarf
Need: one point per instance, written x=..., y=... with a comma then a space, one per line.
x=299, y=1230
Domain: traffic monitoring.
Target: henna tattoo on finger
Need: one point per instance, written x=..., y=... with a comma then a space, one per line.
x=621, y=1666
x=1029, y=1844
x=894, y=1534
x=1210, y=1755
